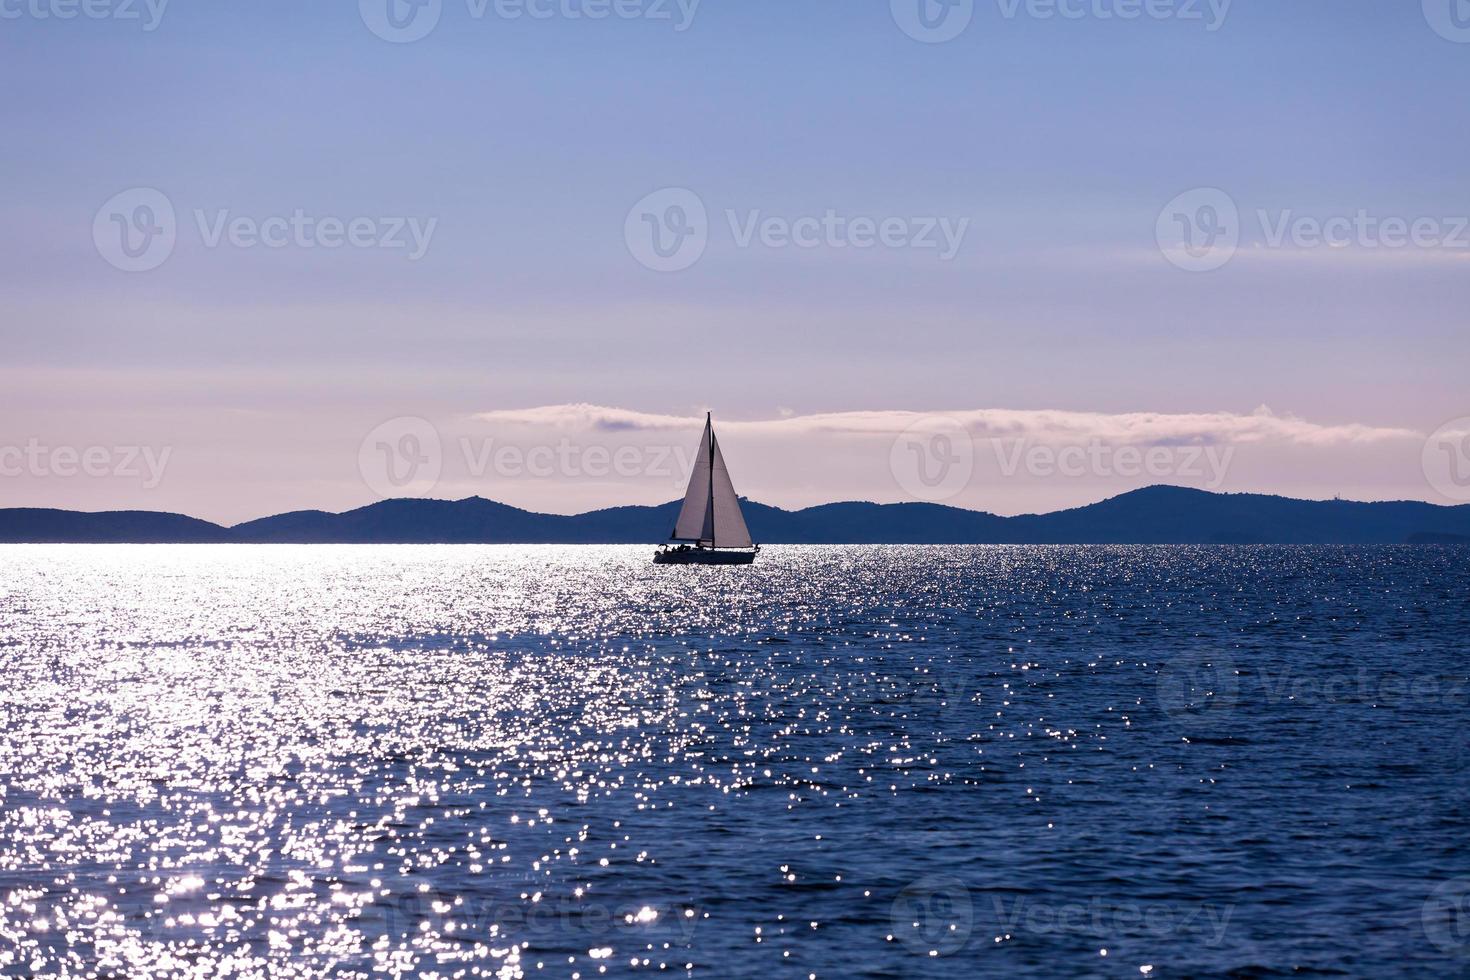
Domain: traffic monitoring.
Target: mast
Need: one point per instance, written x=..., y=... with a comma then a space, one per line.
x=709, y=427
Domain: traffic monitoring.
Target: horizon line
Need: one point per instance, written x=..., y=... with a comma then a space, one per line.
x=747, y=500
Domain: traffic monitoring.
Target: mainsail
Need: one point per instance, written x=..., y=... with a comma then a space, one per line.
x=711, y=513
x=696, y=516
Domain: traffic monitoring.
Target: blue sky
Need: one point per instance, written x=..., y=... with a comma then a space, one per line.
x=526, y=142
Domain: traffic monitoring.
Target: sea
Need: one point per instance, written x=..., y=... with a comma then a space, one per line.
x=448, y=762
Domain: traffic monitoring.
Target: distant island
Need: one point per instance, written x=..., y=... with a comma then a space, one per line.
x=1154, y=515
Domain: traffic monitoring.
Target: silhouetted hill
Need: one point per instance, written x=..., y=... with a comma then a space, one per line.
x=1176, y=515
x=1155, y=515
x=474, y=520
x=27, y=525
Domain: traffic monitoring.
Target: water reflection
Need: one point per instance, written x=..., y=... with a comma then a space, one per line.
x=282, y=761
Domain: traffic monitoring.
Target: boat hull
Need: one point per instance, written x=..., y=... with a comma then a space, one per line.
x=703, y=556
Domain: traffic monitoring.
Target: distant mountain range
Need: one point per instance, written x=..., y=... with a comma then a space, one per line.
x=1155, y=515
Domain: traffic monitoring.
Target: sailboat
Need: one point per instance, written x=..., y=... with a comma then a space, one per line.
x=711, y=529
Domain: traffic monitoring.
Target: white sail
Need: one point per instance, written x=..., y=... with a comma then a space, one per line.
x=711, y=513
x=696, y=516
x=729, y=530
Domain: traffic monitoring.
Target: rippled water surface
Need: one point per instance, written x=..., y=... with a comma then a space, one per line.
x=549, y=761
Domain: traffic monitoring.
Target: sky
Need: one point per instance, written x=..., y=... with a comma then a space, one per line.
x=1012, y=255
